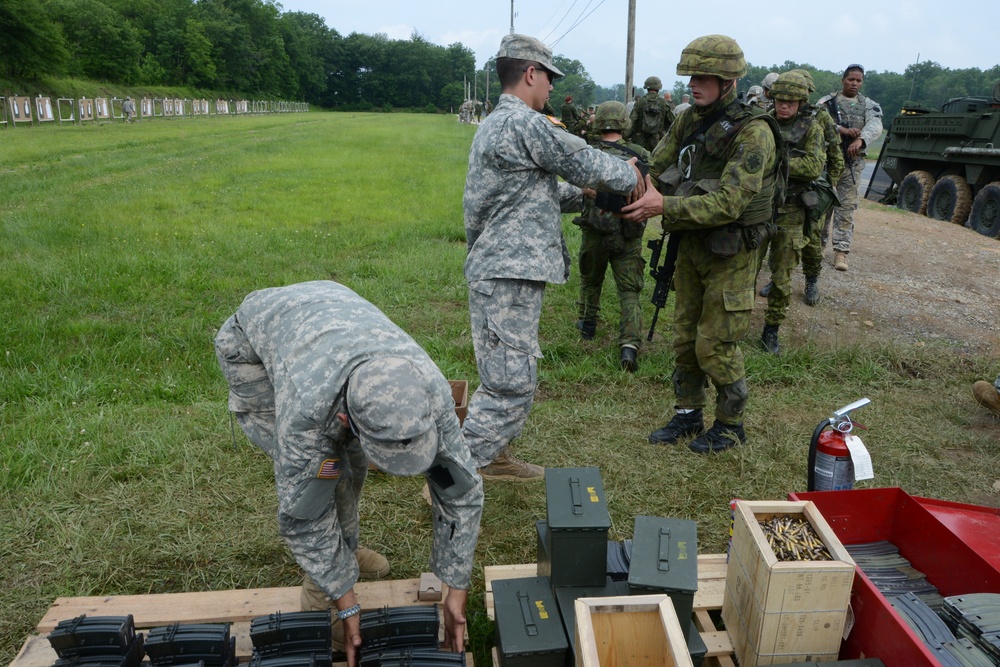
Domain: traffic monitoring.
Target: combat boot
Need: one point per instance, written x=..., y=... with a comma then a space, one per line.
x=769, y=339
x=682, y=425
x=371, y=564
x=840, y=260
x=507, y=467
x=312, y=597
x=629, y=359
x=719, y=438
x=812, y=290
x=588, y=328
x=987, y=395
x=765, y=291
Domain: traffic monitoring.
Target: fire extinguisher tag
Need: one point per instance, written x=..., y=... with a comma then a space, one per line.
x=860, y=457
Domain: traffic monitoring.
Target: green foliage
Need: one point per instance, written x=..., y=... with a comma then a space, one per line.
x=31, y=43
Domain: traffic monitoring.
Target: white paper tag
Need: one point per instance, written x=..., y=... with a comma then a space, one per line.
x=860, y=457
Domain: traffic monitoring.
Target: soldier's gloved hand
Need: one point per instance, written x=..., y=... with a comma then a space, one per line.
x=648, y=205
x=589, y=193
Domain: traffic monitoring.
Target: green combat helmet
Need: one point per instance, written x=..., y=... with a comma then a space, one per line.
x=713, y=55
x=611, y=116
x=653, y=83
x=790, y=86
x=807, y=75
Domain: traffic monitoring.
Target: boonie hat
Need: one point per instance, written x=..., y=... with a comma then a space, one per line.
x=525, y=47
x=389, y=405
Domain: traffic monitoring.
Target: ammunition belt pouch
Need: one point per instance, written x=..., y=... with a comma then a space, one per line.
x=728, y=241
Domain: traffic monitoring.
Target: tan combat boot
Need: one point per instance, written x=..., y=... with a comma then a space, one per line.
x=371, y=564
x=840, y=260
x=312, y=598
x=509, y=468
x=987, y=395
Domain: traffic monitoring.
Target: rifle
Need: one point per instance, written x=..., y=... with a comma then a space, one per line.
x=845, y=142
x=663, y=275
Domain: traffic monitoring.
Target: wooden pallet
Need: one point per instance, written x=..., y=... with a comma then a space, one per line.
x=711, y=585
x=238, y=607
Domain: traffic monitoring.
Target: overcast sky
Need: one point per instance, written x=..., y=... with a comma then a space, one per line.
x=886, y=35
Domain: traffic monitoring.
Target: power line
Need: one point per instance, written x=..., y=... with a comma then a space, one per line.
x=560, y=20
x=578, y=21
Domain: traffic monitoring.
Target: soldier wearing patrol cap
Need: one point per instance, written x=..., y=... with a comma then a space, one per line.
x=513, y=228
x=765, y=84
x=650, y=117
x=610, y=241
x=806, y=150
x=324, y=383
x=717, y=170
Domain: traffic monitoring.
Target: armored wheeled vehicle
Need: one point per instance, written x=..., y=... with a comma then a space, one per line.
x=946, y=164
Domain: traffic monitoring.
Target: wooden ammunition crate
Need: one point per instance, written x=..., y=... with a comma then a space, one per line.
x=784, y=612
x=629, y=631
x=460, y=392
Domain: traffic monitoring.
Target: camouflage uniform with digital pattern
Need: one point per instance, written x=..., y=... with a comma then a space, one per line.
x=291, y=356
x=650, y=109
x=726, y=193
x=865, y=114
x=812, y=253
x=804, y=144
x=610, y=240
x=513, y=227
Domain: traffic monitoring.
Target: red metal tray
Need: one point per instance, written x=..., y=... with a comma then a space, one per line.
x=938, y=537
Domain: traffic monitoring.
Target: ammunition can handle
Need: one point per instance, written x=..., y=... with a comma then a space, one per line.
x=529, y=624
x=574, y=492
x=663, y=561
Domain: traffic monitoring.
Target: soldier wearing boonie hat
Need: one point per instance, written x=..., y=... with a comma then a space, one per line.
x=325, y=383
x=513, y=228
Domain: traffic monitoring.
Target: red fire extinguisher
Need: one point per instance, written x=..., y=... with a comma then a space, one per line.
x=830, y=465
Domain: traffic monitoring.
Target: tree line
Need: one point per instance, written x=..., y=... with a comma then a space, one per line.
x=253, y=48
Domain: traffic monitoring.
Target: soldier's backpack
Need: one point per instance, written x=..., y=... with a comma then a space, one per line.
x=652, y=117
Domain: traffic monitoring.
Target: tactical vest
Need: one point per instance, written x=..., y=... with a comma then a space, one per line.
x=852, y=112
x=794, y=133
x=711, y=149
x=603, y=222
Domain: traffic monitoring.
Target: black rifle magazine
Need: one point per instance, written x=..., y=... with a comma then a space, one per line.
x=85, y=636
x=295, y=626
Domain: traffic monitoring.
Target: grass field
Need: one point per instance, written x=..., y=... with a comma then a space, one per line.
x=126, y=247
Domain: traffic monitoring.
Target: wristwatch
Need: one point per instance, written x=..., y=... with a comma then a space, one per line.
x=350, y=611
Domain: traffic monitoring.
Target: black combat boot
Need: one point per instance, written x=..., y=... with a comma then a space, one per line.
x=682, y=425
x=719, y=438
x=769, y=339
x=812, y=290
x=588, y=328
x=765, y=291
x=629, y=361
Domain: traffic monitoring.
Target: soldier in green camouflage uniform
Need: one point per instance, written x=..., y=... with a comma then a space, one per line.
x=608, y=239
x=569, y=114
x=723, y=154
x=323, y=383
x=513, y=229
x=803, y=138
x=651, y=116
x=812, y=253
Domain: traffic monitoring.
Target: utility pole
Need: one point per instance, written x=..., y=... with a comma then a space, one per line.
x=512, y=17
x=629, y=51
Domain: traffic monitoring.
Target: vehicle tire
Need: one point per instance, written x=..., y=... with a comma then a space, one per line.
x=951, y=199
x=914, y=191
x=985, y=217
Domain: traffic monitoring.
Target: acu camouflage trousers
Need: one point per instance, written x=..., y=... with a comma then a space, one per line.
x=715, y=297
x=504, y=315
x=597, y=251
x=843, y=215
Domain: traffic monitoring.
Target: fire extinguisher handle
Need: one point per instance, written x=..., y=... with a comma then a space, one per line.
x=848, y=409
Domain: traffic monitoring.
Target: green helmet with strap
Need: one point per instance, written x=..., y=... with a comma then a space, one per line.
x=611, y=116
x=790, y=86
x=713, y=55
x=807, y=75
x=653, y=83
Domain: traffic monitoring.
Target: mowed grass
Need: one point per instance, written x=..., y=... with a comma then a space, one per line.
x=126, y=247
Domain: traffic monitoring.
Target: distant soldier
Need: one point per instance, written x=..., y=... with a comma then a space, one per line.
x=754, y=95
x=765, y=101
x=859, y=123
x=488, y=106
x=650, y=117
x=806, y=151
x=669, y=99
x=569, y=114
x=128, y=109
x=685, y=103
x=479, y=111
x=610, y=240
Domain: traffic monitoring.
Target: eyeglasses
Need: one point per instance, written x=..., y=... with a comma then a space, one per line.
x=538, y=68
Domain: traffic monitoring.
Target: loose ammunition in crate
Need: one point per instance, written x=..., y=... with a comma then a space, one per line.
x=793, y=539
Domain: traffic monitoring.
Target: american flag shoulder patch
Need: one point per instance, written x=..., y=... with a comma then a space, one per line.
x=329, y=469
